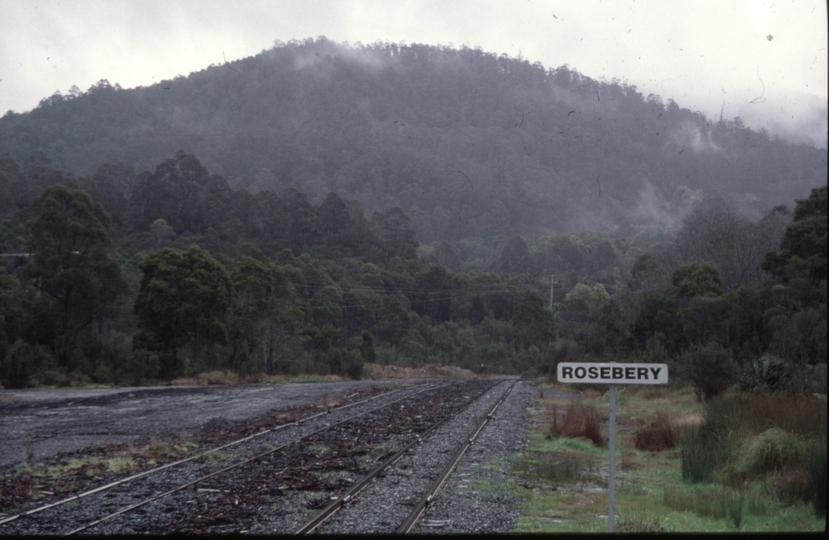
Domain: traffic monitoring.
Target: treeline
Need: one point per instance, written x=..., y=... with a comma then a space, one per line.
x=127, y=278
x=467, y=143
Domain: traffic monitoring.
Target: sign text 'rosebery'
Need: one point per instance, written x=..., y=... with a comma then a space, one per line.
x=607, y=373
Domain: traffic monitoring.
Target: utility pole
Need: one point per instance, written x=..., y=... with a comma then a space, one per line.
x=552, y=279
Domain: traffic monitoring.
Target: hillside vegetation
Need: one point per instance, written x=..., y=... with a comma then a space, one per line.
x=403, y=205
x=467, y=143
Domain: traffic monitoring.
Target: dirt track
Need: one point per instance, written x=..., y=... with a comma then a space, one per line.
x=37, y=424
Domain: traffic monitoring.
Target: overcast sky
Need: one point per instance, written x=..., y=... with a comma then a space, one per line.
x=765, y=60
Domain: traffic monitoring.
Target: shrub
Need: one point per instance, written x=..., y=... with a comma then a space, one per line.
x=25, y=365
x=769, y=373
x=354, y=364
x=711, y=368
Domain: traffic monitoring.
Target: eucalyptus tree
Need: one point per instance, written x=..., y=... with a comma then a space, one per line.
x=183, y=302
x=69, y=267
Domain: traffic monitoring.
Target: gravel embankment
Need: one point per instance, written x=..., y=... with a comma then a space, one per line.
x=384, y=504
x=477, y=497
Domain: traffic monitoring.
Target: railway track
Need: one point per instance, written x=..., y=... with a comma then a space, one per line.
x=269, y=481
x=419, y=508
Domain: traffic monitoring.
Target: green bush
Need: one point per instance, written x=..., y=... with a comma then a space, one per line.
x=769, y=373
x=353, y=364
x=711, y=368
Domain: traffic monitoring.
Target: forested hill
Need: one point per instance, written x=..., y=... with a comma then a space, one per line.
x=467, y=143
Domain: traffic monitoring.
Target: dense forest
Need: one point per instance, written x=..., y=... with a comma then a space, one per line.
x=128, y=278
x=403, y=205
x=466, y=143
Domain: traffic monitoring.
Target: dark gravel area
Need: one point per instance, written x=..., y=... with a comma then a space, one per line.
x=279, y=492
x=38, y=424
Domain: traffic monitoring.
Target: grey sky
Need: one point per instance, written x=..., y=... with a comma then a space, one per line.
x=765, y=60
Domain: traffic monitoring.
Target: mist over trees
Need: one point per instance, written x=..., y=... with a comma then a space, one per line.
x=466, y=143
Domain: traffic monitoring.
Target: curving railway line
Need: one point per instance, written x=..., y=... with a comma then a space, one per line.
x=372, y=466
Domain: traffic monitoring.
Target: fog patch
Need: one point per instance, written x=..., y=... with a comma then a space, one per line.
x=651, y=208
x=366, y=57
x=687, y=135
x=799, y=120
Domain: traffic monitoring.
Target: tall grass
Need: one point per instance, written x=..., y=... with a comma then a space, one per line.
x=698, y=456
x=755, y=413
x=816, y=463
x=578, y=421
x=719, y=503
x=780, y=440
x=658, y=436
x=772, y=450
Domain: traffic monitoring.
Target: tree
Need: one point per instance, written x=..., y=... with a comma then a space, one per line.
x=182, y=192
x=182, y=301
x=711, y=368
x=804, y=240
x=697, y=279
x=394, y=233
x=68, y=239
x=716, y=235
x=253, y=302
x=515, y=257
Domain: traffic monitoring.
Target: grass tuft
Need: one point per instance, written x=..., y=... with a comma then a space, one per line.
x=579, y=421
x=770, y=451
x=640, y=523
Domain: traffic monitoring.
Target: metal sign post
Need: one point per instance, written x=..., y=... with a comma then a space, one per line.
x=611, y=465
x=611, y=373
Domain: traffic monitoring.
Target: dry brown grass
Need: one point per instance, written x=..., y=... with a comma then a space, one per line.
x=657, y=436
x=578, y=421
x=755, y=413
x=377, y=372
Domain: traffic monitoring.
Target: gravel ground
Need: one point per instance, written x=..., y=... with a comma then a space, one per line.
x=477, y=496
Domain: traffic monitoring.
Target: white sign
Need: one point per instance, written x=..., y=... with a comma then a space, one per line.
x=611, y=373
